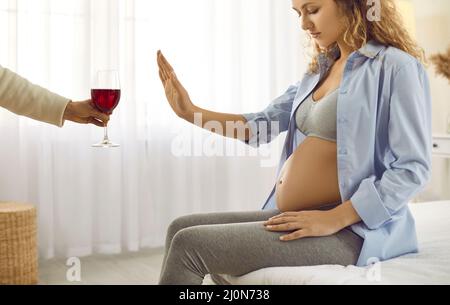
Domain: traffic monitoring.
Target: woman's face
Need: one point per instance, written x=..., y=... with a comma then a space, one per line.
x=321, y=19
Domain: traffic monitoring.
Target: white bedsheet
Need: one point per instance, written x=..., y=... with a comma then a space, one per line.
x=430, y=266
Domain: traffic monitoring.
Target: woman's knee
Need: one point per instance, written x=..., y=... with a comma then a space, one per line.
x=178, y=224
x=185, y=238
x=183, y=222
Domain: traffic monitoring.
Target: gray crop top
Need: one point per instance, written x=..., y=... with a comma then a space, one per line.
x=318, y=119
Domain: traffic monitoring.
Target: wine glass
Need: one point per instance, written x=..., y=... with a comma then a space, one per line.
x=105, y=94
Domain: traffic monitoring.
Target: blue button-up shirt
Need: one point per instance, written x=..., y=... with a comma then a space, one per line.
x=384, y=141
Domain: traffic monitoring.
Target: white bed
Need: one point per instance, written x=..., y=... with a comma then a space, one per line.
x=430, y=266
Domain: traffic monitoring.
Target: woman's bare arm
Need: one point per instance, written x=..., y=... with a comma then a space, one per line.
x=232, y=125
x=229, y=125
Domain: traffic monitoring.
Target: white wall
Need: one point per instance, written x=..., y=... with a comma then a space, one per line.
x=433, y=34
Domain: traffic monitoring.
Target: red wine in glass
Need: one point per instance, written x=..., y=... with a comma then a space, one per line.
x=106, y=100
x=105, y=94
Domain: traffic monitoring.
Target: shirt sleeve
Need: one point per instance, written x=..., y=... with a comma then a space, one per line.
x=410, y=140
x=20, y=96
x=266, y=125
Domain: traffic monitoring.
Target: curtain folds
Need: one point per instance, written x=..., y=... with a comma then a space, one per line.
x=233, y=56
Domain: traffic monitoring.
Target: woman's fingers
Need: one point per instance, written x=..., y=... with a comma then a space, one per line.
x=163, y=73
x=165, y=63
x=296, y=235
x=286, y=214
x=290, y=226
x=168, y=77
x=167, y=71
x=158, y=60
x=161, y=76
x=280, y=220
x=161, y=63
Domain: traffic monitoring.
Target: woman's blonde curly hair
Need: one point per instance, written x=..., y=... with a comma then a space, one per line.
x=389, y=31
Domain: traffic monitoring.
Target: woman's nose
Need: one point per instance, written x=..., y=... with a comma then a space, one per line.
x=306, y=24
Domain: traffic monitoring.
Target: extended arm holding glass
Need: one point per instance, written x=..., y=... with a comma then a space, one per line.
x=182, y=105
x=20, y=96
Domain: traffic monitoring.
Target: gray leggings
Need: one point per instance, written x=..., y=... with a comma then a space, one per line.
x=237, y=243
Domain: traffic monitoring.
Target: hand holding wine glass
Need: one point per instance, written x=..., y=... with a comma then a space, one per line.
x=85, y=112
x=176, y=94
x=105, y=95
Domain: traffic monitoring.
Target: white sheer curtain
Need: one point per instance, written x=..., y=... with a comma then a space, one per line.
x=232, y=55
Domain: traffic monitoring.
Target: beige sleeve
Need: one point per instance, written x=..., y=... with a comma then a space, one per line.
x=20, y=96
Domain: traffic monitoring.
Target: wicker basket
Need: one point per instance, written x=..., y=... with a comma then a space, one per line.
x=18, y=244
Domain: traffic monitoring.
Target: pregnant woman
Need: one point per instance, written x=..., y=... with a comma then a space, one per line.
x=358, y=149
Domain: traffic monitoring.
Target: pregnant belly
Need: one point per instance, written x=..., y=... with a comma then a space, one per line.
x=309, y=178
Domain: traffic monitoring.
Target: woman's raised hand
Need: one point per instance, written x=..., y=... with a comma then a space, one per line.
x=176, y=94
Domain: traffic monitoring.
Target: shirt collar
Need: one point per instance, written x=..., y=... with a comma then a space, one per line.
x=371, y=50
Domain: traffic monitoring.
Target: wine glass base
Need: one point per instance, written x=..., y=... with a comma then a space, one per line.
x=106, y=144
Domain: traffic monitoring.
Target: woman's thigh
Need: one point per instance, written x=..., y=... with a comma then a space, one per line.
x=239, y=248
x=228, y=217
x=220, y=218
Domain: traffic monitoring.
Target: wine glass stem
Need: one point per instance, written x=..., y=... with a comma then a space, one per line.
x=106, y=139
